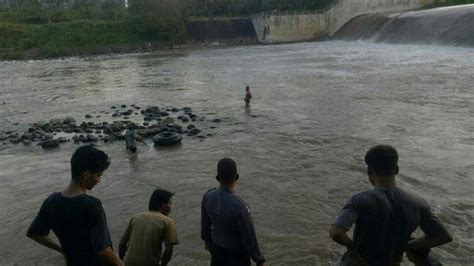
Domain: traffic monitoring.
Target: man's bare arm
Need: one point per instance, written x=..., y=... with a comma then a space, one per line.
x=167, y=254
x=341, y=237
x=47, y=242
x=109, y=258
x=427, y=242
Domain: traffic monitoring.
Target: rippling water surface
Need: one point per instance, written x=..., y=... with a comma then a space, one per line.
x=317, y=108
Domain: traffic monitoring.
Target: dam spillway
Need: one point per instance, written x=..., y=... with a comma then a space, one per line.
x=442, y=26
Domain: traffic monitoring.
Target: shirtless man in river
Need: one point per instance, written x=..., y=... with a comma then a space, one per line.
x=248, y=96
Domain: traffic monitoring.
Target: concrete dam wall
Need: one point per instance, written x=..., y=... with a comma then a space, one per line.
x=445, y=26
x=208, y=30
x=281, y=27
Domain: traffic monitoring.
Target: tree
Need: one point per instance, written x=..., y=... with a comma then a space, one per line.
x=156, y=19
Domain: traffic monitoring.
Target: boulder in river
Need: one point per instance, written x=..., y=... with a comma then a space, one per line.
x=50, y=143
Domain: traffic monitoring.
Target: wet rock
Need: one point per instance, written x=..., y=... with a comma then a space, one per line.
x=15, y=140
x=190, y=126
x=62, y=139
x=123, y=106
x=185, y=119
x=174, y=109
x=88, y=116
x=3, y=137
x=169, y=120
x=164, y=114
x=113, y=107
x=26, y=141
x=69, y=121
x=48, y=136
x=194, y=132
x=50, y=143
x=98, y=131
x=27, y=136
x=217, y=120
x=92, y=138
x=146, y=124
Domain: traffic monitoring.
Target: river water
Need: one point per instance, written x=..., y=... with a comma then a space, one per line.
x=317, y=108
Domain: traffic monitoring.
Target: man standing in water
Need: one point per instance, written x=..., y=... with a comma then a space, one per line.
x=385, y=218
x=226, y=225
x=247, y=97
x=77, y=219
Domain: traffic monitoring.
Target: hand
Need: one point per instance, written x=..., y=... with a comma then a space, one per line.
x=418, y=257
x=355, y=258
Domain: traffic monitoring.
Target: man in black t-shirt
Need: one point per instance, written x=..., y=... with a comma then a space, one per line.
x=77, y=219
x=385, y=218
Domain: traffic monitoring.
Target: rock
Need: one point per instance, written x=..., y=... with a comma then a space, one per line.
x=194, y=132
x=164, y=114
x=68, y=130
x=70, y=121
x=3, y=137
x=113, y=107
x=190, y=126
x=93, y=138
x=146, y=124
x=89, y=131
x=48, y=136
x=62, y=139
x=26, y=141
x=56, y=121
x=217, y=120
x=98, y=131
x=15, y=140
x=185, y=119
x=50, y=143
x=187, y=109
x=27, y=136
x=88, y=116
x=174, y=109
x=169, y=120
x=123, y=106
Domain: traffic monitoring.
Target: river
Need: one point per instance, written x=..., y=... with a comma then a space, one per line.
x=317, y=108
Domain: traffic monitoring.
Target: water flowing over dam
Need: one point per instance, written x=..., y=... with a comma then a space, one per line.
x=443, y=26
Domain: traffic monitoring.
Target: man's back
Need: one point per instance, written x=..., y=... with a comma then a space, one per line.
x=146, y=233
x=78, y=222
x=385, y=219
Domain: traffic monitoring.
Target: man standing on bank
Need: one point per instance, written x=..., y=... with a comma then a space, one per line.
x=77, y=219
x=226, y=224
x=385, y=218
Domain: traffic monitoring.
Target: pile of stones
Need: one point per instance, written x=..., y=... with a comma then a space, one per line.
x=147, y=123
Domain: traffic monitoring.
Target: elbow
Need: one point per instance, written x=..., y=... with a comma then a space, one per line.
x=448, y=238
x=335, y=232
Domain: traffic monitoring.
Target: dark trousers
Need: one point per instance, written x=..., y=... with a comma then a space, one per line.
x=225, y=257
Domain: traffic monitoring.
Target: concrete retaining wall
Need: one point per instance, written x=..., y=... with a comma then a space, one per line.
x=291, y=27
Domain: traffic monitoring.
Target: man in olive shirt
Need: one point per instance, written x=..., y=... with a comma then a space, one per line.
x=385, y=218
x=226, y=225
x=142, y=242
x=77, y=219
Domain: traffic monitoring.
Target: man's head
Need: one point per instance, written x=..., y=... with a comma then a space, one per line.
x=227, y=171
x=382, y=161
x=160, y=201
x=247, y=88
x=87, y=165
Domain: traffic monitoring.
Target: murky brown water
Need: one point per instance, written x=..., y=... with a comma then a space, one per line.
x=318, y=107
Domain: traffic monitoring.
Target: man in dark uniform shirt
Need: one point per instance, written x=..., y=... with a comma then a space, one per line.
x=226, y=225
x=385, y=218
x=77, y=219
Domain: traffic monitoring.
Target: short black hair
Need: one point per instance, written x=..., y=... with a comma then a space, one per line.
x=88, y=158
x=159, y=196
x=226, y=170
x=382, y=160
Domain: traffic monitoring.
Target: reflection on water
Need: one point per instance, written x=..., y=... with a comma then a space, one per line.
x=316, y=109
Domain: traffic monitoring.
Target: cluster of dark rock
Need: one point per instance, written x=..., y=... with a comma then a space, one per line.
x=165, y=126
